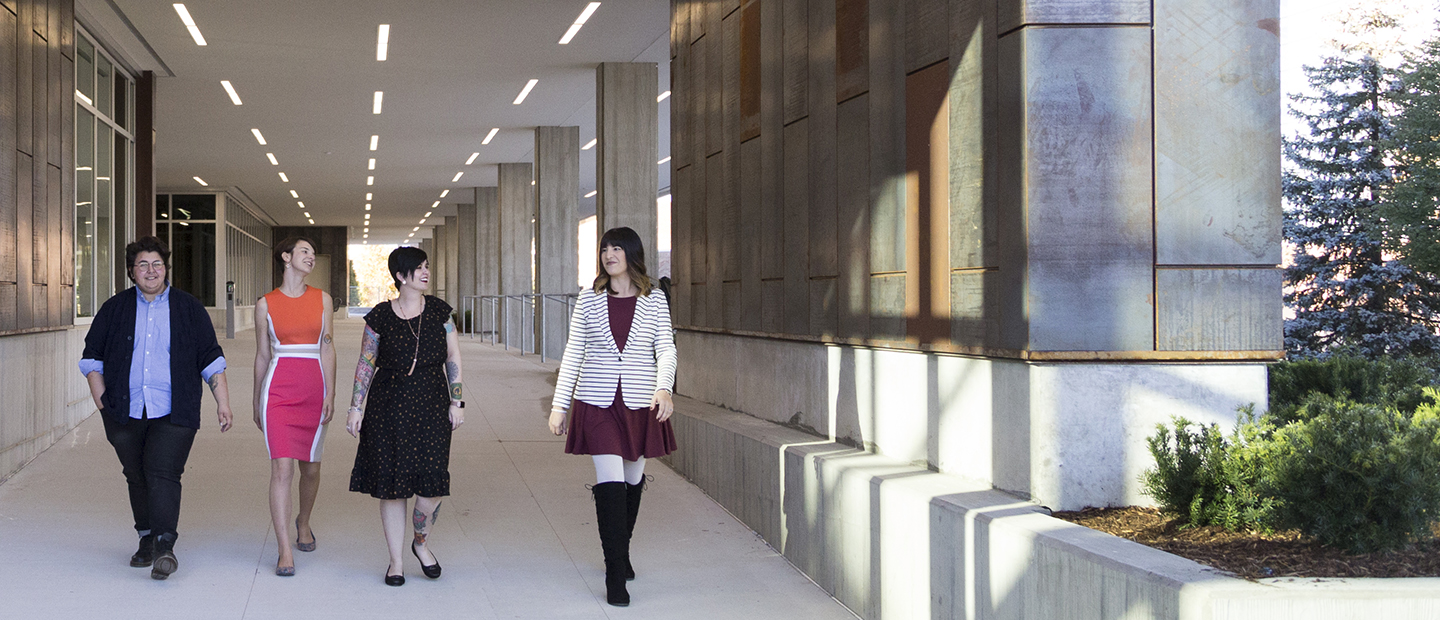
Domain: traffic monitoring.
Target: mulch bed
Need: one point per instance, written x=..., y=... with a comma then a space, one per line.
x=1255, y=556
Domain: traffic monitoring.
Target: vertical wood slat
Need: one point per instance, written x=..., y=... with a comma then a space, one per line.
x=750, y=70
x=887, y=137
x=797, y=222
x=714, y=79
x=714, y=227
x=145, y=154
x=821, y=134
x=852, y=48
x=698, y=101
x=852, y=163
x=9, y=77
x=749, y=233
x=772, y=115
x=796, y=35
x=67, y=181
x=681, y=208
x=54, y=230
x=55, y=105
x=681, y=95
x=926, y=34
x=24, y=206
x=927, y=128
x=9, y=5
x=24, y=78
x=66, y=28
x=729, y=236
x=699, y=242
x=40, y=142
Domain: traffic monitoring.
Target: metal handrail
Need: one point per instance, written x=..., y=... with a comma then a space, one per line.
x=500, y=306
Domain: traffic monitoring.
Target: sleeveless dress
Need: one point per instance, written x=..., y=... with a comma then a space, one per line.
x=405, y=435
x=293, y=394
x=617, y=429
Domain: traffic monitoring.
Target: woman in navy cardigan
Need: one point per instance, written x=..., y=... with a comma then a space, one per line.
x=615, y=380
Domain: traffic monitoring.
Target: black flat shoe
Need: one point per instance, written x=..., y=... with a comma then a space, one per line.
x=164, y=564
x=394, y=580
x=145, y=554
x=307, y=547
x=432, y=571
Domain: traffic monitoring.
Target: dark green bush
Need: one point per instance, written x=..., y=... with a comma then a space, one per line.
x=1387, y=382
x=1208, y=478
x=1354, y=475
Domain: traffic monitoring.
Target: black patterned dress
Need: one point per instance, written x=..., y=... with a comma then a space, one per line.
x=405, y=434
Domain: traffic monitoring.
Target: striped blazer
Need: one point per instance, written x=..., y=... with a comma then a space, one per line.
x=593, y=365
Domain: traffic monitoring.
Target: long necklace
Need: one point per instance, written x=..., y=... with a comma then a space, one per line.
x=416, y=331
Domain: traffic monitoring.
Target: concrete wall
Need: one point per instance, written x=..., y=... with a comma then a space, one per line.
x=890, y=539
x=43, y=395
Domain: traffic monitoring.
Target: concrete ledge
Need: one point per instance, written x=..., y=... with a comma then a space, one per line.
x=893, y=540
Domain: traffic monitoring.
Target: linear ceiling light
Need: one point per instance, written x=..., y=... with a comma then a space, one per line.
x=437, y=204
x=273, y=161
x=312, y=222
x=379, y=97
x=367, y=206
x=230, y=90
x=575, y=27
x=294, y=194
x=663, y=96
x=526, y=91
x=457, y=176
x=372, y=163
x=374, y=142
x=590, y=145
x=382, y=43
x=427, y=214
x=445, y=193
x=284, y=178
x=667, y=158
x=369, y=196
x=301, y=204
x=201, y=181
x=190, y=24
x=472, y=158
x=307, y=215
x=413, y=230
x=369, y=180
x=258, y=138
x=491, y=136
x=592, y=193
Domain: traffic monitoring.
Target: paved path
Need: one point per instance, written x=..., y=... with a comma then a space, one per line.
x=516, y=537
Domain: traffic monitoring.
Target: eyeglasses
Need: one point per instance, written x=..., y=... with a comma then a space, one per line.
x=152, y=266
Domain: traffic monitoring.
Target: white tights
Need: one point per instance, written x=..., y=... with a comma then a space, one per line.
x=612, y=468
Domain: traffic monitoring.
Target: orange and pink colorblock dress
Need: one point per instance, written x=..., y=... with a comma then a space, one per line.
x=294, y=392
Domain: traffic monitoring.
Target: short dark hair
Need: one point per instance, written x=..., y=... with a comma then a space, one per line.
x=288, y=245
x=404, y=261
x=146, y=244
x=629, y=242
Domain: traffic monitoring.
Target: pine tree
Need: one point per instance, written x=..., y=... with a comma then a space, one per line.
x=1411, y=209
x=1345, y=291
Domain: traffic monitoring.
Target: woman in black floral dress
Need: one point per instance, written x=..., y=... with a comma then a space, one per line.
x=410, y=369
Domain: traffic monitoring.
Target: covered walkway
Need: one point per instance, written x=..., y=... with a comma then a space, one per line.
x=516, y=537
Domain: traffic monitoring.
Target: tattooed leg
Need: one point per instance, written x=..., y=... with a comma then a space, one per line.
x=424, y=520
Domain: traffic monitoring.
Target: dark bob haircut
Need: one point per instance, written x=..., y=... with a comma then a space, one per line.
x=146, y=244
x=629, y=242
x=288, y=245
x=404, y=261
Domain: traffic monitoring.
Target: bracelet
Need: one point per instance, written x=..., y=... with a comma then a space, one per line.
x=354, y=409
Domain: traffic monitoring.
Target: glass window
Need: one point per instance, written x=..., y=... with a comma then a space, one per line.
x=84, y=213
x=192, y=259
x=85, y=67
x=104, y=86
x=104, y=208
x=192, y=206
x=162, y=208
x=122, y=101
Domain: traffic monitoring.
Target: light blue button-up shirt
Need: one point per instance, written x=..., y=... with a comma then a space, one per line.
x=150, y=362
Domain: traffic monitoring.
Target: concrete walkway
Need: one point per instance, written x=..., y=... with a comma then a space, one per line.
x=516, y=537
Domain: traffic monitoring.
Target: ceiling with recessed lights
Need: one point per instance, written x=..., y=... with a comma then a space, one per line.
x=309, y=83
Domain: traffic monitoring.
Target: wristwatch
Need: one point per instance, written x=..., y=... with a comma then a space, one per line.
x=460, y=405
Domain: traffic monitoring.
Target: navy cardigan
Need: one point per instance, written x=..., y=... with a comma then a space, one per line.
x=193, y=347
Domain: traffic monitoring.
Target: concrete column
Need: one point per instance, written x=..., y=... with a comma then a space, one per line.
x=516, y=215
x=467, y=261
x=557, y=192
x=437, y=264
x=487, y=243
x=451, y=254
x=626, y=172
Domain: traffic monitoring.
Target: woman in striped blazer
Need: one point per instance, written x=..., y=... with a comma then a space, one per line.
x=618, y=373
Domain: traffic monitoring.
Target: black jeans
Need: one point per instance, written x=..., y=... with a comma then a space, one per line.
x=152, y=455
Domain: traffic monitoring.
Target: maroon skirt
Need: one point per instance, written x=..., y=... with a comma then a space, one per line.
x=629, y=433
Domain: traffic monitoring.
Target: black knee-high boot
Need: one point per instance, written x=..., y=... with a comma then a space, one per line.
x=610, y=508
x=632, y=510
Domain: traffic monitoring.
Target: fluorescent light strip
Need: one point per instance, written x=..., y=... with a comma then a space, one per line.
x=590, y=145
x=524, y=91
x=367, y=216
x=382, y=43
x=273, y=161
x=369, y=196
x=372, y=163
x=427, y=214
x=379, y=98
x=472, y=158
x=663, y=96
x=294, y=194
x=457, y=176
x=491, y=136
x=422, y=221
x=307, y=215
x=284, y=178
x=414, y=230
x=83, y=97
x=437, y=204
x=312, y=222
x=367, y=207
x=230, y=90
x=580, y=21
x=592, y=193
x=190, y=24
x=302, y=205
x=200, y=181
x=445, y=193
x=667, y=158
x=369, y=180
x=258, y=138
x=374, y=142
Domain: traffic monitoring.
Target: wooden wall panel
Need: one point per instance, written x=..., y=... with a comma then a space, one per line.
x=681, y=209
x=852, y=163
x=714, y=79
x=772, y=161
x=681, y=112
x=887, y=137
x=694, y=12
x=715, y=227
x=926, y=33
x=24, y=207
x=729, y=236
x=24, y=82
x=40, y=142
x=927, y=139
x=55, y=104
x=54, y=247
x=852, y=48
x=796, y=33
x=7, y=306
x=698, y=101
x=8, y=157
x=749, y=234
x=66, y=28
x=699, y=220
x=796, y=208
x=66, y=163
x=821, y=132
x=8, y=5
x=750, y=70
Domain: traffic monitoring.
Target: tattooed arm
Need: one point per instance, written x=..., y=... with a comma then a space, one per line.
x=453, y=376
x=364, y=373
x=221, y=390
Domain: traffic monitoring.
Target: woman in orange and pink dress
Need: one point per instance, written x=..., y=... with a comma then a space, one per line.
x=294, y=390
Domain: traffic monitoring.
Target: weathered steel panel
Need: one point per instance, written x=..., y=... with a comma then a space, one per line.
x=927, y=32
x=852, y=48
x=797, y=223
x=797, y=58
x=1219, y=310
x=1017, y=13
x=852, y=176
x=1217, y=192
